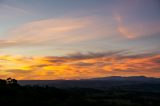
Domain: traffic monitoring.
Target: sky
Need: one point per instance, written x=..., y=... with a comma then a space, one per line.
x=79, y=39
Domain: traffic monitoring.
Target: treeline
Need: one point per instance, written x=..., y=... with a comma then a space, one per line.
x=11, y=93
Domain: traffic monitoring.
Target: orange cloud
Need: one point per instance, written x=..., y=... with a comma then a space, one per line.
x=81, y=66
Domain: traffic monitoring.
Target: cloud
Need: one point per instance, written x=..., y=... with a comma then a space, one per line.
x=81, y=64
x=136, y=30
x=79, y=55
x=122, y=29
x=135, y=20
x=7, y=8
x=37, y=32
x=11, y=12
x=44, y=29
x=56, y=31
x=18, y=71
x=80, y=67
x=10, y=43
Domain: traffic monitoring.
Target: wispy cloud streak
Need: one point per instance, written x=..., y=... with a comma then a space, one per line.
x=56, y=31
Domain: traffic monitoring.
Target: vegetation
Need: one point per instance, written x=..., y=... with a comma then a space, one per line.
x=11, y=93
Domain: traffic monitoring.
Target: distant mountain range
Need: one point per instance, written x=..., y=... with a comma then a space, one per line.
x=105, y=82
x=131, y=78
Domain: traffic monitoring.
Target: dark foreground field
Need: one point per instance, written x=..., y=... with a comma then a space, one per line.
x=129, y=94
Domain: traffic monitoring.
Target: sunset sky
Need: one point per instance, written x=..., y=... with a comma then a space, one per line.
x=79, y=39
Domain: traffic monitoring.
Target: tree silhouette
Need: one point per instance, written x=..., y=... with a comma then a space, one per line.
x=3, y=83
x=11, y=81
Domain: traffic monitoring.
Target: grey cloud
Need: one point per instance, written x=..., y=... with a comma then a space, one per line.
x=80, y=55
x=83, y=64
x=156, y=60
x=18, y=71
